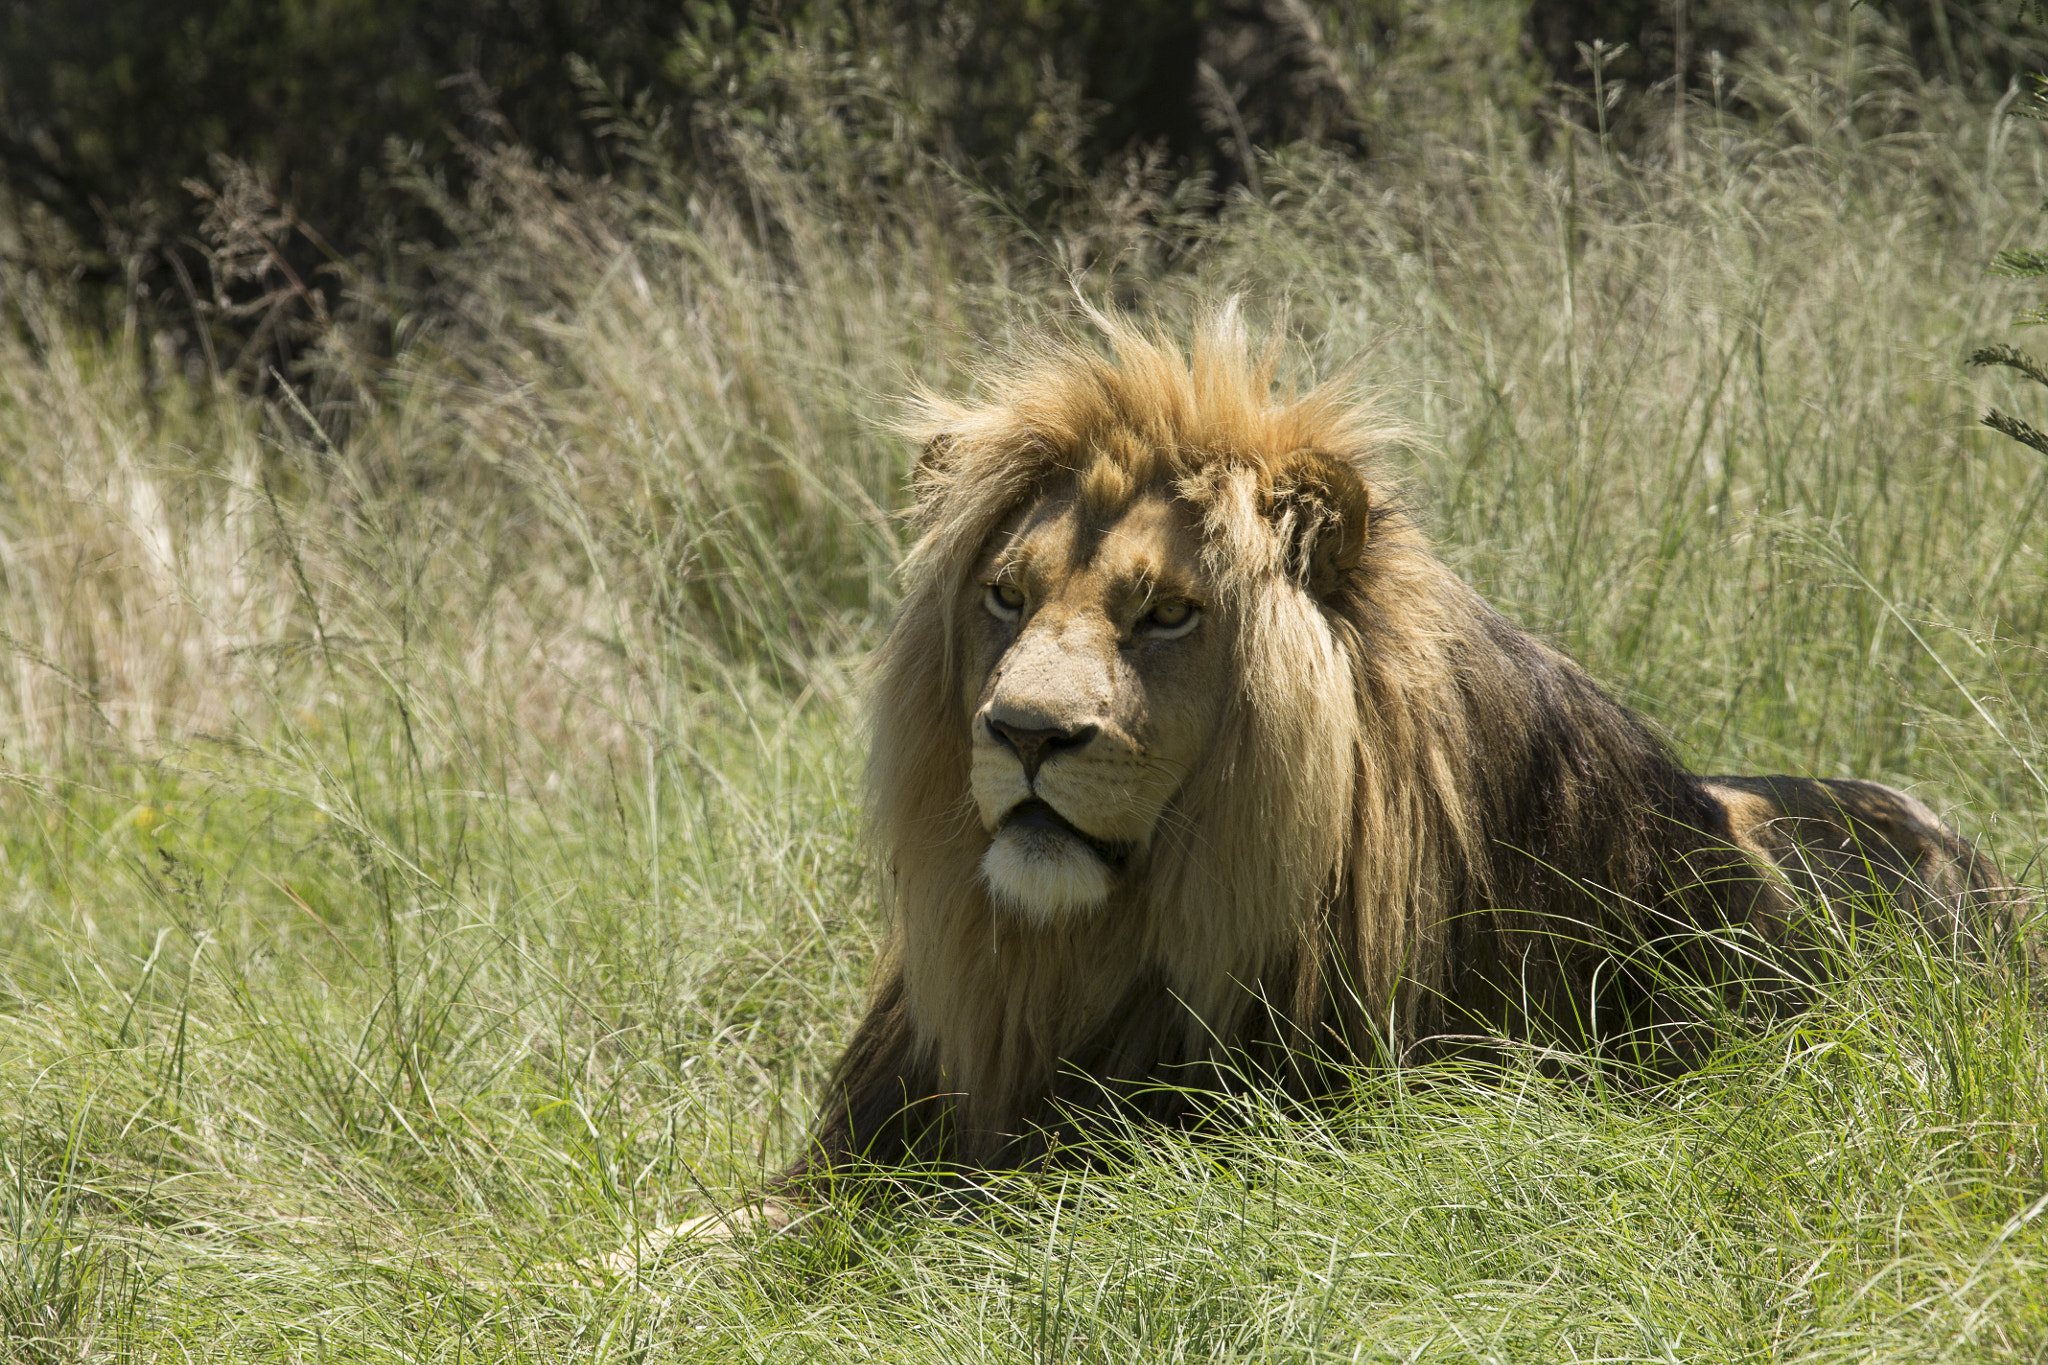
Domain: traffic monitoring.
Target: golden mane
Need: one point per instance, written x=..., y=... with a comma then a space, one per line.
x=1416, y=821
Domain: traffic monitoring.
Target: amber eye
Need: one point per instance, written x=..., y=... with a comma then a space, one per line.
x=1172, y=618
x=1005, y=601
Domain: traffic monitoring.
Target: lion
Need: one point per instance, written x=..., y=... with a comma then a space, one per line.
x=1193, y=768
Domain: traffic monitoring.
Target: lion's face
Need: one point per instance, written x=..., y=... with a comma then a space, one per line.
x=1097, y=669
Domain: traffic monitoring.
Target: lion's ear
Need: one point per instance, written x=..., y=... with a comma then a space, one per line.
x=928, y=475
x=932, y=458
x=1322, y=511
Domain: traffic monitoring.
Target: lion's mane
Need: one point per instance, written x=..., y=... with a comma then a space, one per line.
x=1417, y=822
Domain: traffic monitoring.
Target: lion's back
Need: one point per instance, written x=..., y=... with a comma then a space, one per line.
x=1847, y=847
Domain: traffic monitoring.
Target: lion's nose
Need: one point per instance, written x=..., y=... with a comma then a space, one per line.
x=1033, y=747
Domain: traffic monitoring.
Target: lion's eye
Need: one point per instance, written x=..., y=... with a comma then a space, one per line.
x=1172, y=619
x=1005, y=601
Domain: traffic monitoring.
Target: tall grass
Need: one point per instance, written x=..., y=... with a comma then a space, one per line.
x=429, y=836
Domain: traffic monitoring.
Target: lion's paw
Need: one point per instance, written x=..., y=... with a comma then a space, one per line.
x=705, y=1230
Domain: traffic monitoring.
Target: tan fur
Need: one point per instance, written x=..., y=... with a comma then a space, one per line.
x=1260, y=830
x=1370, y=815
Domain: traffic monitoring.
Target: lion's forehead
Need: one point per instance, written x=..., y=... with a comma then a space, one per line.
x=1148, y=541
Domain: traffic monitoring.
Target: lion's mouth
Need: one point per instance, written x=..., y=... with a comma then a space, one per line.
x=1036, y=816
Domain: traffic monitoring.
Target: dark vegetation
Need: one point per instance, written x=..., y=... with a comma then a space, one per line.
x=234, y=177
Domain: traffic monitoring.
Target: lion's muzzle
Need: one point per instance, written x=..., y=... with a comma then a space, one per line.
x=1034, y=746
x=1068, y=808
x=1044, y=863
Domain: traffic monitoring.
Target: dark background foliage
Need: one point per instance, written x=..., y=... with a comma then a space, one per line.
x=200, y=160
x=1975, y=46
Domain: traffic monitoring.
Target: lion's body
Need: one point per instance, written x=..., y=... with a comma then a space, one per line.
x=1361, y=813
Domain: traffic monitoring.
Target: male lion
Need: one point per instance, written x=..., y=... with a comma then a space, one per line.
x=1193, y=768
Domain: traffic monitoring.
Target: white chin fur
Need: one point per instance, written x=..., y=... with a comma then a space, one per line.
x=1043, y=875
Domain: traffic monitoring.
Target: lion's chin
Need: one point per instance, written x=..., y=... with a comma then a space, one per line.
x=1044, y=874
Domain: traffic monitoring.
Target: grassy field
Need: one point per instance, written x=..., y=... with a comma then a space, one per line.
x=430, y=811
